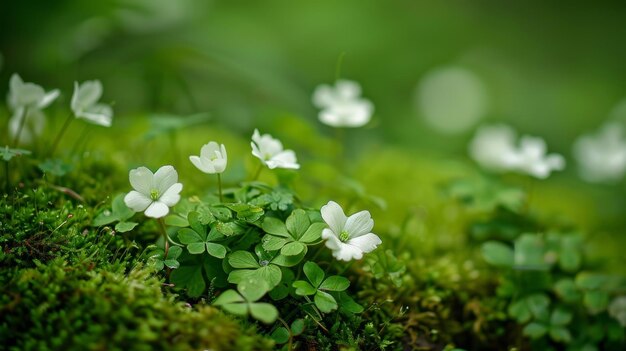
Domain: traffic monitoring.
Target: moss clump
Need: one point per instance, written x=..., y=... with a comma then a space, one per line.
x=56, y=306
x=70, y=287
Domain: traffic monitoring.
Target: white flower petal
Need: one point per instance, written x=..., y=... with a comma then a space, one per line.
x=348, y=252
x=285, y=159
x=347, y=89
x=197, y=161
x=86, y=94
x=352, y=114
x=359, y=224
x=219, y=165
x=99, y=114
x=29, y=94
x=141, y=179
x=137, y=201
x=164, y=178
x=533, y=147
x=323, y=96
x=208, y=150
x=224, y=155
x=49, y=98
x=332, y=241
x=334, y=217
x=15, y=82
x=172, y=195
x=256, y=152
x=366, y=243
x=157, y=210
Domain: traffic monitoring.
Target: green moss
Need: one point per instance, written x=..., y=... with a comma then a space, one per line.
x=57, y=306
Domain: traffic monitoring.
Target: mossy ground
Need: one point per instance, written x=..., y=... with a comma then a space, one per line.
x=69, y=285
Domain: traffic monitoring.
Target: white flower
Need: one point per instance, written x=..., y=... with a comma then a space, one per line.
x=85, y=103
x=270, y=152
x=154, y=193
x=494, y=148
x=531, y=158
x=602, y=157
x=28, y=98
x=28, y=95
x=348, y=237
x=212, y=158
x=342, y=105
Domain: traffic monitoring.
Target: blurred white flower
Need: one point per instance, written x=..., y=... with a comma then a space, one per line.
x=85, y=103
x=494, y=148
x=212, y=159
x=531, y=158
x=270, y=152
x=342, y=105
x=601, y=157
x=348, y=237
x=153, y=193
x=28, y=95
x=27, y=98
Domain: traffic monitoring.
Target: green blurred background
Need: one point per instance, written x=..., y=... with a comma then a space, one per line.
x=550, y=69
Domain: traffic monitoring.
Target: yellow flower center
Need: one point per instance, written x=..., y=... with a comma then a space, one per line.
x=344, y=236
x=154, y=194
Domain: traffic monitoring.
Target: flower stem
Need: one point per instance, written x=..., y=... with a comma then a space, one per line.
x=16, y=140
x=219, y=186
x=66, y=124
x=165, y=236
x=258, y=172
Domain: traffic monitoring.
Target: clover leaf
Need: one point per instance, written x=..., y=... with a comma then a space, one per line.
x=247, y=266
x=7, y=153
x=266, y=264
x=160, y=261
x=319, y=287
x=282, y=335
x=55, y=167
x=198, y=240
x=193, y=270
x=555, y=326
x=385, y=264
x=119, y=213
x=293, y=236
x=497, y=254
x=244, y=301
x=246, y=212
x=278, y=200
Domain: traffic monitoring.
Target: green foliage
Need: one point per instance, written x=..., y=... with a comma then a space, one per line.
x=159, y=259
x=198, y=240
x=8, y=153
x=320, y=287
x=293, y=236
x=55, y=166
x=120, y=213
x=244, y=301
x=550, y=293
